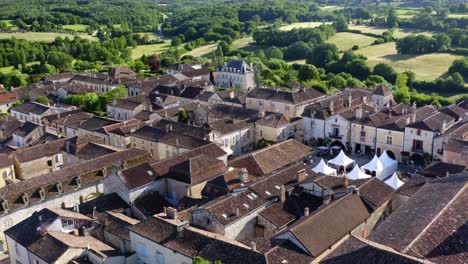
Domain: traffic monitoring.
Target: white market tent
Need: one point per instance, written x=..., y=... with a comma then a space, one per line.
x=394, y=182
x=357, y=174
x=374, y=167
x=390, y=165
x=324, y=169
x=341, y=160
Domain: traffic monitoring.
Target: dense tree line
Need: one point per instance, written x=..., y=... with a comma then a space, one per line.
x=419, y=44
x=282, y=38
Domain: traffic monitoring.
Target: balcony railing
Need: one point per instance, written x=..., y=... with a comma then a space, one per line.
x=334, y=136
x=417, y=150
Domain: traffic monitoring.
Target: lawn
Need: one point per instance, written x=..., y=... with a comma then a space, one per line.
x=427, y=67
x=76, y=27
x=302, y=25
x=203, y=51
x=399, y=33
x=346, y=40
x=41, y=36
x=150, y=49
x=331, y=8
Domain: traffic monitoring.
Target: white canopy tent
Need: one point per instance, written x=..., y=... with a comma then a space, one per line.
x=394, y=182
x=390, y=165
x=341, y=160
x=357, y=174
x=324, y=169
x=374, y=167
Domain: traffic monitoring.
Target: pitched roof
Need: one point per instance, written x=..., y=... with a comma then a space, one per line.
x=31, y=107
x=434, y=122
x=108, y=202
x=382, y=90
x=275, y=120
x=7, y=97
x=39, y=151
x=137, y=176
x=297, y=97
x=359, y=251
x=272, y=158
x=432, y=223
x=376, y=192
x=197, y=169
x=226, y=126
x=26, y=129
x=326, y=226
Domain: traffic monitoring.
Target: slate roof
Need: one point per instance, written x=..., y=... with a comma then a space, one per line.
x=432, y=223
x=31, y=107
x=297, y=97
x=326, y=226
x=272, y=158
x=376, y=192
x=359, y=251
x=238, y=65
x=26, y=129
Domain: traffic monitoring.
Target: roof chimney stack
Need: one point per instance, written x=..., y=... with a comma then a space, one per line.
x=243, y=175
x=282, y=194
x=345, y=181
x=253, y=246
x=171, y=213
x=301, y=175
x=306, y=211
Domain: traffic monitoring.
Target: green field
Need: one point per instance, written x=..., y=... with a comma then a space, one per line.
x=427, y=67
x=41, y=36
x=458, y=15
x=331, y=8
x=399, y=33
x=205, y=51
x=76, y=27
x=150, y=49
x=345, y=40
x=10, y=68
x=302, y=25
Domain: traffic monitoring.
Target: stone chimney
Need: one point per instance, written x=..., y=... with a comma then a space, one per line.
x=261, y=114
x=253, y=246
x=327, y=199
x=171, y=213
x=413, y=117
x=243, y=175
x=232, y=94
x=332, y=107
x=306, y=211
x=444, y=127
x=345, y=180
x=237, y=212
x=301, y=175
x=350, y=99
x=282, y=194
x=359, y=112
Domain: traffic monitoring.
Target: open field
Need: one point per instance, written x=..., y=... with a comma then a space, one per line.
x=150, y=49
x=9, y=24
x=458, y=15
x=346, y=40
x=302, y=25
x=10, y=68
x=427, y=66
x=399, y=33
x=205, y=51
x=76, y=27
x=242, y=43
x=331, y=8
x=41, y=36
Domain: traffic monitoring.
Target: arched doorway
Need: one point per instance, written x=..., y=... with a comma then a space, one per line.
x=391, y=154
x=417, y=159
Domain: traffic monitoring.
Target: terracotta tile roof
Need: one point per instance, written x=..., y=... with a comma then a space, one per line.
x=138, y=176
x=40, y=151
x=197, y=169
x=7, y=97
x=106, y=203
x=382, y=90
x=272, y=158
x=297, y=97
x=376, y=192
x=454, y=111
x=434, y=122
x=412, y=185
x=431, y=223
x=221, y=111
x=359, y=251
x=326, y=226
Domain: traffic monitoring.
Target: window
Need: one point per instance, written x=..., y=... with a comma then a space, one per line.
x=66, y=223
x=389, y=140
x=17, y=250
x=363, y=133
x=159, y=258
x=57, y=158
x=287, y=108
x=417, y=144
x=418, y=132
x=5, y=174
x=49, y=163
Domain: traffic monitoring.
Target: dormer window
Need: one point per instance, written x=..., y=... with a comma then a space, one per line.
x=25, y=198
x=42, y=193
x=5, y=206
x=78, y=182
x=59, y=187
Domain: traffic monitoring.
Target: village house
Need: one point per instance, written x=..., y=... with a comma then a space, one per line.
x=232, y=97
x=7, y=170
x=431, y=224
x=100, y=84
x=235, y=137
x=452, y=147
x=58, y=124
x=125, y=109
x=236, y=74
x=26, y=135
x=7, y=100
x=31, y=112
x=58, y=78
x=290, y=104
x=72, y=89
x=275, y=127
x=63, y=188
x=8, y=125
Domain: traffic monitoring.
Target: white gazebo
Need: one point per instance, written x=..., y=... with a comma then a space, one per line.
x=394, y=182
x=357, y=174
x=374, y=167
x=390, y=165
x=324, y=169
x=341, y=160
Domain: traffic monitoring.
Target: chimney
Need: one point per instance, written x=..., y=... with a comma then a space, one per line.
x=301, y=175
x=237, y=212
x=306, y=211
x=414, y=106
x=332, y=107
x=243, y=175
x=327, y=199
x=359, y=112
x=232, y=95
x=283, y=194
x=345, y=181
x=171, y=213
x=253, y=246
x=94, y=212
x=413, y=117
x=447, y=173
x=350, y=99
x=444, y=127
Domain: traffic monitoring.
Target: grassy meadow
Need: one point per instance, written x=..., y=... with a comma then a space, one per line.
x=41, y=36
x=346, y=40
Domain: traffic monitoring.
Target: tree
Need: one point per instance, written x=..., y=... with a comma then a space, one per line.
x=341, y=25
x=183, y=116
x=308, y=72
x=338, y=82
x=392, y=17
x=274, y=53
x=60, y=60
x=42, y=100
x=323, y=54
x=358, y=68
x=176, y=41
x=402, y=94
x=386, y=71
x=460, y=66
